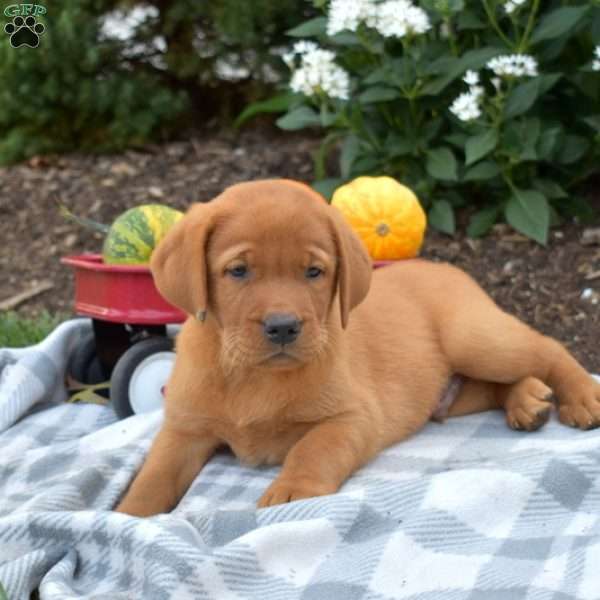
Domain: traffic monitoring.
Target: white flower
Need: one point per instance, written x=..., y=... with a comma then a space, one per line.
x=318, y=72
x=289, y=59
x=471, y=77
x=477, y=91
x=396, y=18
x=121, y=25
x=392, y=18
x=511, y=5
x=496, y=82
x=596, y=61
x=349, y=14
x=301, y=47
x=304, y=46
x=513, y=65
x=466, y=106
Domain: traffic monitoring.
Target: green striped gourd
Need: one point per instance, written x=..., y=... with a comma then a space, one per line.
x=134, y=234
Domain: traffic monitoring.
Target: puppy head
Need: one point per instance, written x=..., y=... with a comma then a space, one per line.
x=264, y=262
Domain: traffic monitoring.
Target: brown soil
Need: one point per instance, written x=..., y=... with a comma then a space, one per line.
x=541, y=285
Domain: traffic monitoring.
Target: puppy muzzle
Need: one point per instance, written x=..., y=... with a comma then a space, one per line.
x=281, y=328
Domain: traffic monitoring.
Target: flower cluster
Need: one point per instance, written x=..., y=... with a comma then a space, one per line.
x=596, y=61
x=121, y=25
x=467, y=106
x=397, y=18
x=392, y=18
x=317, y=71
x=511, y=5
x=345, y=15
x=513, y=65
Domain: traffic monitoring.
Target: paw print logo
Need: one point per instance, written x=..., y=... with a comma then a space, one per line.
x=24, y=32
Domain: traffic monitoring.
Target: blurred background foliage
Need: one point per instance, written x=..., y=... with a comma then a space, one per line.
x=109, y=75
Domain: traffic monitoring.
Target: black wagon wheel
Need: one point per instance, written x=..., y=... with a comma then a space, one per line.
x=85, y=366
x=139, y=378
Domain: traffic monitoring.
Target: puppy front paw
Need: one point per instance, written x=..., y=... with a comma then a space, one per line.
x=143, y=506
x=528, y=404
x=582, y=408
x=288, y=490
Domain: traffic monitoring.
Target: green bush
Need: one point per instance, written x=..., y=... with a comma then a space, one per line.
x=80, y=89
x=17, y=332
x=434, y=96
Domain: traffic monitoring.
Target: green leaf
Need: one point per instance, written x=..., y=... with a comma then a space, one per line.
x=398, y=145
x=580, y=207
x=441, y=65
x=572, y=149
x=3, y=594
x=345, y=38
x=458, y=140
x=528, y=212
x=480, y=145
x=441, y=216
x=366, y=164
x=482, y=221
x=524, y=95
x=558, y=22
x=594, y=122
x=316, y=26
x=441, y=164
x=548, y=142
x=468, y=19
x=486, y=169
x=299, y=118
x=326, y=187
x=279, y=103
x=378, y=94
x=378, y=75
x=555, y=218
x=531, y=132
x=520, y=137
x=431, y=128
x=549, y=188
x=456, y=6
x=350, y=150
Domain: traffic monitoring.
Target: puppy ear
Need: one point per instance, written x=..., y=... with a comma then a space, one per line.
x=178, y=263
x=354, y=265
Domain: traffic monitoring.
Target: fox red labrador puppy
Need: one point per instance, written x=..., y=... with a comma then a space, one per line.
x=296, y=352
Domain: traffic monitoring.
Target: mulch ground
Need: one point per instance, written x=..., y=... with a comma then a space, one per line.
x=541, y=285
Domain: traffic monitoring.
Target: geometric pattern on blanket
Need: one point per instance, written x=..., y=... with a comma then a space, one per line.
x=465, y=510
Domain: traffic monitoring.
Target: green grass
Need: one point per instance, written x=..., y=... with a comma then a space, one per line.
x=17, y=331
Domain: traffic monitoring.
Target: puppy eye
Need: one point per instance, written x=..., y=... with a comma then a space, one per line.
x=238, y=272
x=313, y=272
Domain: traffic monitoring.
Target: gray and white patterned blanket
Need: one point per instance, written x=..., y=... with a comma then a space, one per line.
x=465, y=510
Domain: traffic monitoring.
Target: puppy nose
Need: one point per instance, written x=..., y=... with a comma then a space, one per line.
x=281, y=328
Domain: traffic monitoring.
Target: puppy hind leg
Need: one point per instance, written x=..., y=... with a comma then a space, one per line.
x=474, y=396
x=527, y=402
x=485, y=343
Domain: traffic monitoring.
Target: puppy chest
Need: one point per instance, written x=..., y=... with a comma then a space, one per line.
x=260, y=444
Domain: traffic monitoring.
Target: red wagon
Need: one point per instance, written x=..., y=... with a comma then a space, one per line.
x=129, y=344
